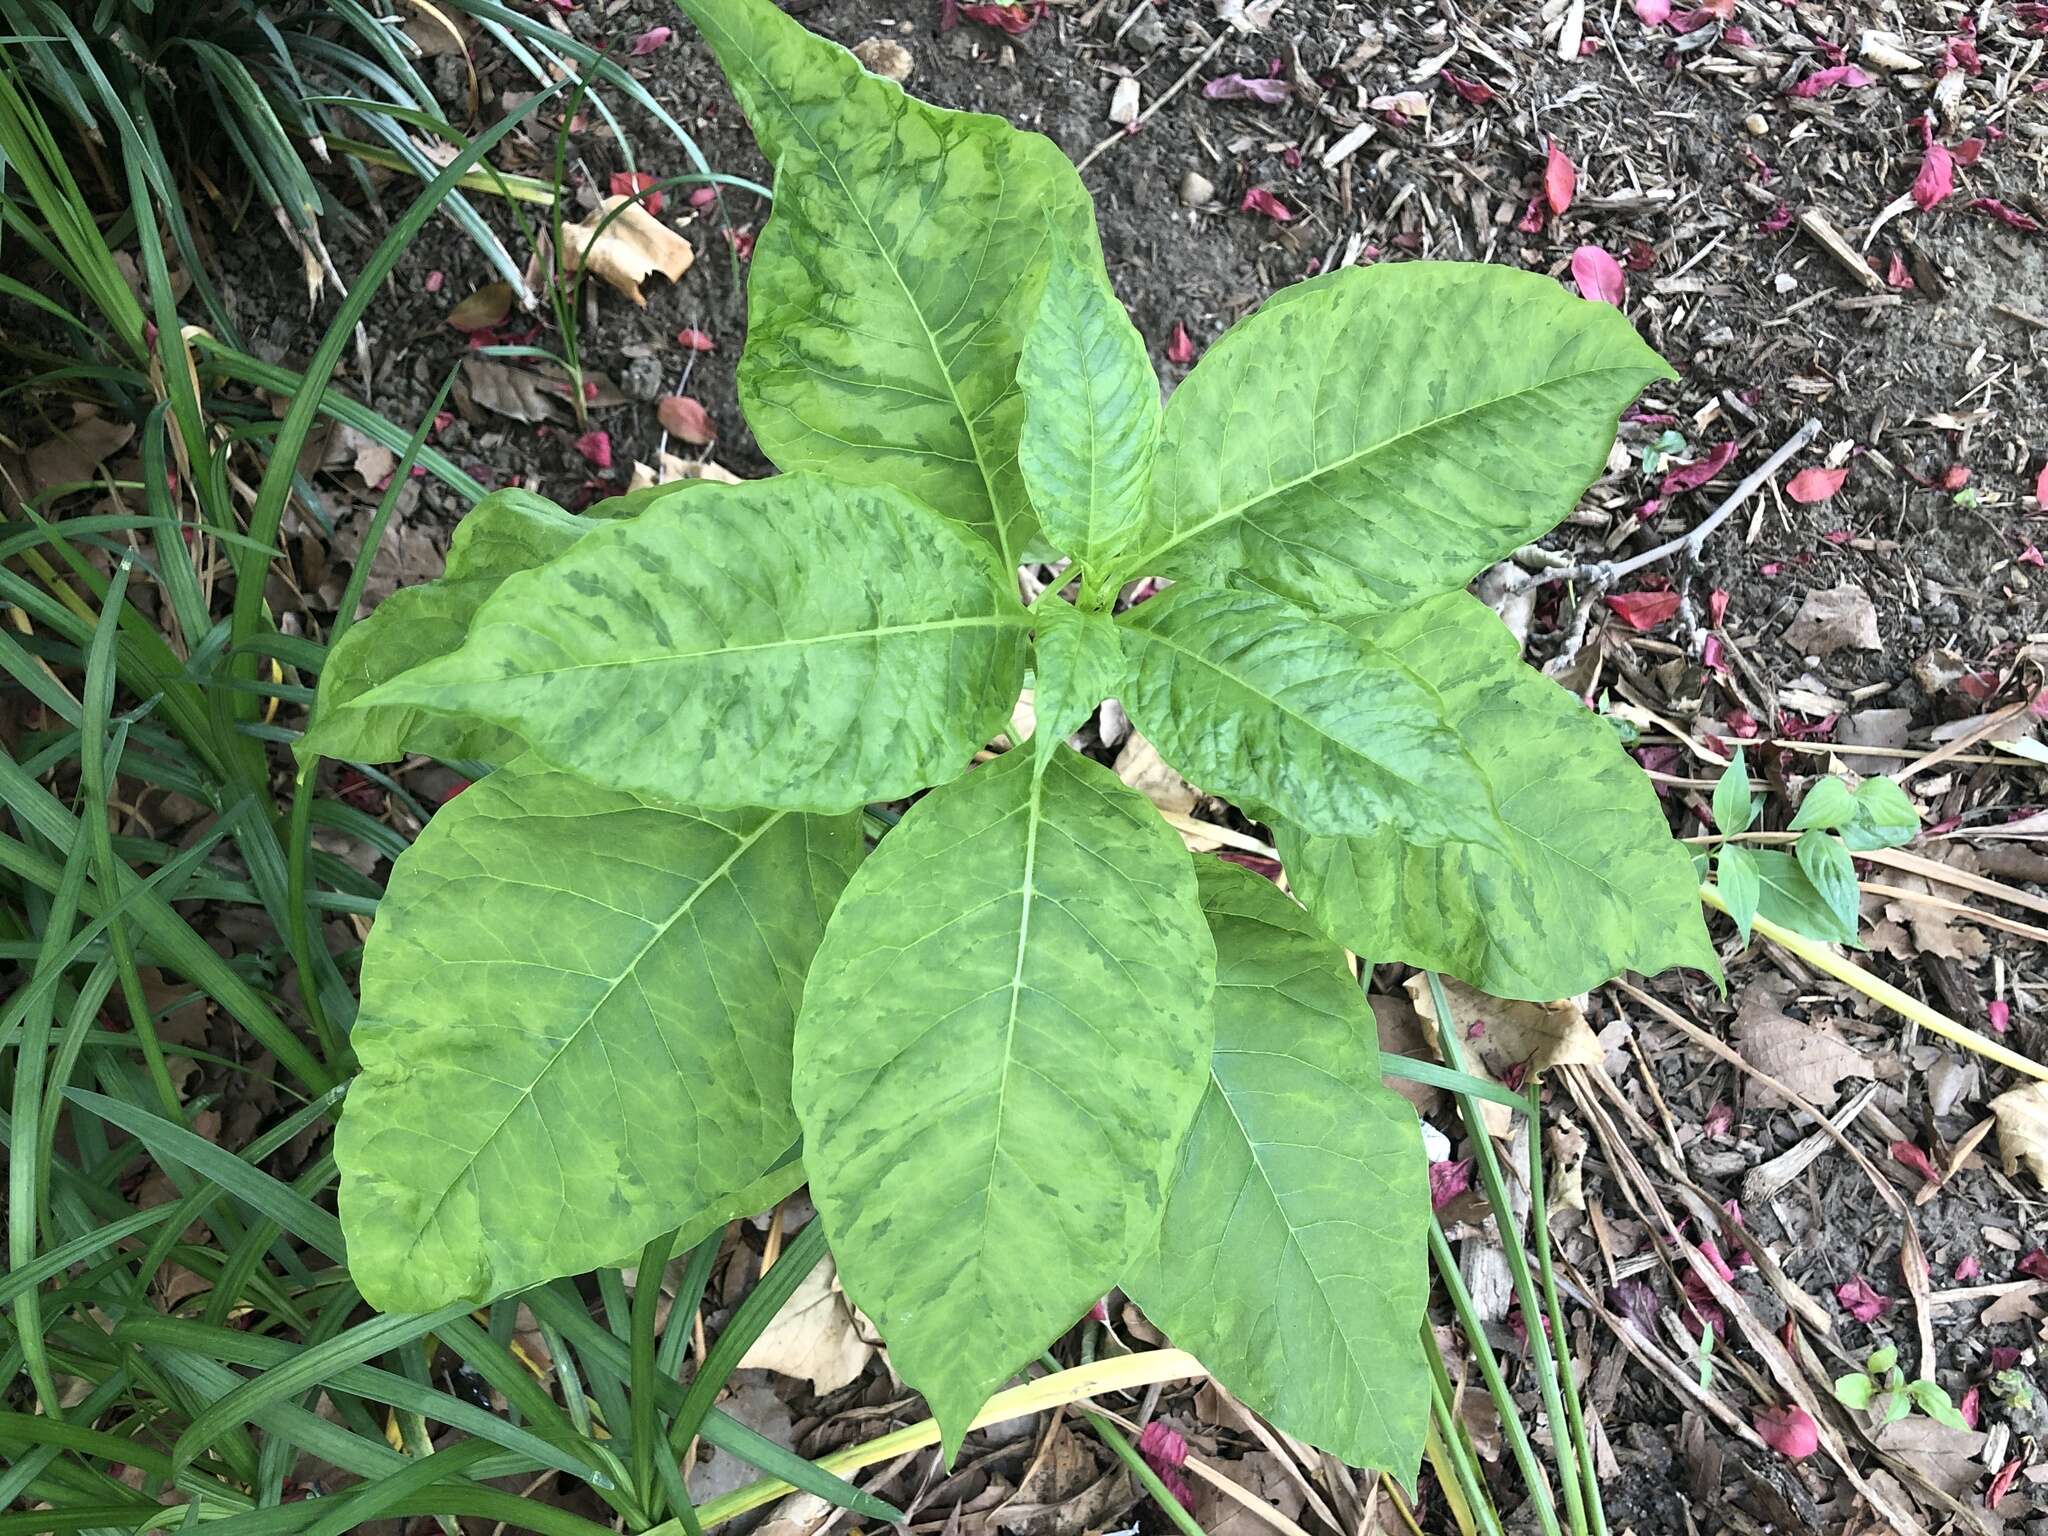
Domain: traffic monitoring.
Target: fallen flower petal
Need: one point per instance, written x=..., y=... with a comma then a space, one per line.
x=1971, y=1407
x=1955, y=477
x=596, y=446
x=1844, y=76
x=1969, y=151
x=2006, y=213
x=1180, y=349
x=2000, y=1016
x=2034, y=1266
x=1937, y=178
x=1896, y=275
x=648, y=41
x=637, y=184
x=2032, y=556
x=1690, y=477
x=1789, y=1431
x=1599, y=276
x=696, y=340
x=1015, y=20
x=1259, y=200
x=1643, y=611
x=1652, y=13
x=432, y=285
x=687, y=419
x=1478, y=92
x=1907, y=1155
x=1719, y=1119
x=1717, y=606
x=1242, y=88
x=1560, y=178
x=1969, y=1267
x=1166, y=1453
x=1448, y=1180
x=1816, y=484
x=1863, y=1301
x=1778, y=219
x=2041, y=489
x=2001, y=1485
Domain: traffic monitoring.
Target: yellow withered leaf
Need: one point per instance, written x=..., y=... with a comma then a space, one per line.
x=627, y=248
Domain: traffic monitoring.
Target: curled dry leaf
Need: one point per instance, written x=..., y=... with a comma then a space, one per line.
x=1834, y=619
x=815, y=1337
x=1506, y=1041
x=74, y=456
x=627, y=249
x=2022, y=1116
x=687, y=419
x=487, y=307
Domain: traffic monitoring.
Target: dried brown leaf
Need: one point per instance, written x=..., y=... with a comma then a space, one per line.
x=2022, y=1115
x=1834, y=619
x=1809, y=1057
x=814, y=1337
x=628, y=248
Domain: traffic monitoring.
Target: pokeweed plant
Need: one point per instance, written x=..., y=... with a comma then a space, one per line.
x=1031, y=1049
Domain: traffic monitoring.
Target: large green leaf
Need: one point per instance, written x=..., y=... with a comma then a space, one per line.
x=1383, y=433
x=575, y=1034
x=508, y=531
x=1092, y=419
x=892, y=289
x=1000, y=1049
x=1292, y=1258
x=1079, y=663
x=1785, y=896
x=1590, y=884
x=790, y=642
x=1253, y=699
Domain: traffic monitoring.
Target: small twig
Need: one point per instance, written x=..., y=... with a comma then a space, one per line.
x=1158, y=101
x=1604, y=573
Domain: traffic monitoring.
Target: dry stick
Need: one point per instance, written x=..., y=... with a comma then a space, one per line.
x=1605, y=573
x=1159, y=101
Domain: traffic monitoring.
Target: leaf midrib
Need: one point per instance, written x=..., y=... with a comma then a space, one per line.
x=1144, y=562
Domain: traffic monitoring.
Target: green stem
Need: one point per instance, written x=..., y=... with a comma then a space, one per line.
x=1539, y=1236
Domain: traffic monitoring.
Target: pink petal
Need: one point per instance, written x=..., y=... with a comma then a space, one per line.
x=1816, y=484
x=1166, y=1453
x=1821, y=81
x=1014, y=20
x=1560, y=178
x=1720, y=1119
x=1478, y=92
x=1448, y=1180
x=1862, y=1301
x=2005, y=212
x=1259, y=200
x=2041, y=489
x=1643, y=611
x=1937, y=177
x=649, y=40
x=2032, y=556
x=2000, y=1016
x=1690, y=477
x=1971, y=1407
x=1968, y=151
x=1598, y=275
x=1907, y=1155
x=687, y=419
x=1180, y=349
x=1896, y=274
x=703, y=197
x=1717, y=606
x=596, y=446
x=1969, y=1267
x=2034, y=1266
x=1955, y=477
x=1778, y=220
x=1789, y=1431
x=1244, y=88
x=1652, y=13
x=434, y=281
x=696, y=340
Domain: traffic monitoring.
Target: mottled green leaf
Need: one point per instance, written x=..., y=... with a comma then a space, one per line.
x=506, y=532
x=1884, y=817
x=1079, y=662
x=790, y=642
x=1832, y=874
x=1092, y=419
x=1734, y=800
x=1383, y=433
x=1739, y=882
x=1251, y=698
x=1828, y=804
x=1001, y=1046
x=1786, y=897
x=1591, y=883
x=1291, y=1259
x=576, y=1030
x=891, y=291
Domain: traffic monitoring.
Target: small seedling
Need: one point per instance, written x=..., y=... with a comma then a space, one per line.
x=1882, y=1390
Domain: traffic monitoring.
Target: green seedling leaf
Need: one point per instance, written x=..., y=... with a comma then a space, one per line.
x=891, y=292
x=1893, y=1406
x=1928, y=1396
x=1734, y=802
x=1092, y=419
x=1854, y=1390
x=789, y=643
x=1250, y=697
x=1885, y=817
x=1296, y=457
x=1004, y=1038
x=1738, y=880
x=1786, y=897
x=1584, y=831
x=1832, y=874
x=1882, y=1360
x=1828, y=805
x=575, y=1033
x=1080, y=662
x=1296, y=1227
x=507, y=532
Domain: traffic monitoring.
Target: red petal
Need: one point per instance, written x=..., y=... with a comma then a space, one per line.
x=1815, y=484
x=1478, y=92
x=1789, y=1431
x=1937, y=178
x=2009, y=215
x=1907, y=1155
x=1863, y=1302
x=696, y=340
x=1690, y=477
x=635, y=184
x=648, y=41
x=687, y=419
x=1821, y=81
x=1642, y=611
x=1180, y=349
x=1560, y=178
x=596, y=446
x=1259, y=200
